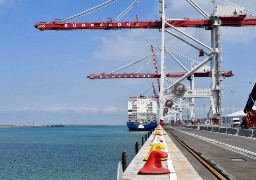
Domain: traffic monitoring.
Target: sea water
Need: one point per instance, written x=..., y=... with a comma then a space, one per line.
x=70, y=152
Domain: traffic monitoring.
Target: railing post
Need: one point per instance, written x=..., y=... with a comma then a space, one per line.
x=124, y=160
x=136, y=148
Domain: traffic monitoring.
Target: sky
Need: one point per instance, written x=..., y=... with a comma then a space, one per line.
x=43, y=74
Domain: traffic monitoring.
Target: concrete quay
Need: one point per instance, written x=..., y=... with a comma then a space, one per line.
x=232, y=154
x=179, y=166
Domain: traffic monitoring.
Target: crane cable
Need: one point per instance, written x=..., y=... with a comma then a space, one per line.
x=226, y=2
x=142, y=67
x=126, y=10
x=182, y=55
x=132, y=63
x=96, y=8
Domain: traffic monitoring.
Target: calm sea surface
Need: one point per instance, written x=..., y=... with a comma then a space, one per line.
x=83, y=152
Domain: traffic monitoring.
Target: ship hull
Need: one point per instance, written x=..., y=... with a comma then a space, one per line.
x=147, y=127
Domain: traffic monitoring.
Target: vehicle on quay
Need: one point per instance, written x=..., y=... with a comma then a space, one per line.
x=235, y=122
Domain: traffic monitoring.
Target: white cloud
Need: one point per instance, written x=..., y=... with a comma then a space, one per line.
x=126, y=45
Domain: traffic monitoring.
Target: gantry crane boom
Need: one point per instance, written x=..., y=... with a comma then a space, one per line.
x=112, y=25
x=152, y=75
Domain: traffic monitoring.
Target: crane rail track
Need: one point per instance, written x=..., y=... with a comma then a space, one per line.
x=213, y=170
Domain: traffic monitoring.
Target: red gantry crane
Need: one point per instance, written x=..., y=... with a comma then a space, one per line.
x=157, y=75
x=231, y=15
x=65, y=24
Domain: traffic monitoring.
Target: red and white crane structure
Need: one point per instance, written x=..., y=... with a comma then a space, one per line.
x=237, y=20
x=120, y=74
x=221, y=16
x=123, y=73
x=227, y=15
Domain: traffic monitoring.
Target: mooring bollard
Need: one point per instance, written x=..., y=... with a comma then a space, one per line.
x=124, y=160
x=142, y=141
x=154, y=165
x=136, y=148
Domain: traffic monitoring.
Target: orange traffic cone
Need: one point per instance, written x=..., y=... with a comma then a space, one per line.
x=154, y=164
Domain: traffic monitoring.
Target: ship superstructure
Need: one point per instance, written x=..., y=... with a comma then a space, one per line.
x=142, y=113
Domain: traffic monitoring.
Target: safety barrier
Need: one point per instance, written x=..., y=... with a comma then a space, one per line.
x=227, y=130
x=232, y=131
x=222, y=130
x=216, y=129
x=254, y=134
x=205, y=128
x=209, y=128
x=245, y=132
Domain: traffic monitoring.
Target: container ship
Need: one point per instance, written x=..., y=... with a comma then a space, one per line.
x=142, y=113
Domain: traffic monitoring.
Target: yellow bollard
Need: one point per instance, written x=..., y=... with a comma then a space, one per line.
x=155, y=146
x=159, y=133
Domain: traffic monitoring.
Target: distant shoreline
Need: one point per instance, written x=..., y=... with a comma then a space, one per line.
x=50, y=125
